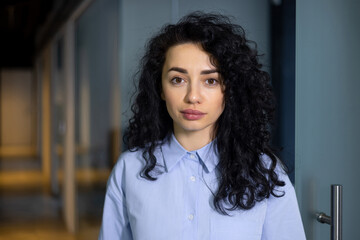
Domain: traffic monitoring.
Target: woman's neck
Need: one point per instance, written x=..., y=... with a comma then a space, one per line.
x=192, y=140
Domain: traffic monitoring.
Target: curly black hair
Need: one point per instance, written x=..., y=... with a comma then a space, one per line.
x=242, y=131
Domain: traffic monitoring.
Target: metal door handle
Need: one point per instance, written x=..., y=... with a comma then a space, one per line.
x=335, y=220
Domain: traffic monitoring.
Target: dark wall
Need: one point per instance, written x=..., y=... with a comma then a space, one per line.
x=283, y=78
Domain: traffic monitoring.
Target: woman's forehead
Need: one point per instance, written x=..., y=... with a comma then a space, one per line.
x=188, y=55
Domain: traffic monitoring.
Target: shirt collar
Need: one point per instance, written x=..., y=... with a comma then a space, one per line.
x=173, y=152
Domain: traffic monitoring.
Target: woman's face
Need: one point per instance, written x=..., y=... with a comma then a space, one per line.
x=192, y=89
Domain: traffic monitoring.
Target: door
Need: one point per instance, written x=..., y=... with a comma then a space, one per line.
x=17, y=113
x=327, y=117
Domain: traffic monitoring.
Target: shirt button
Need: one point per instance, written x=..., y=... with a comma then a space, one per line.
x=192, y=178
x=192, y=156
x=191, y=217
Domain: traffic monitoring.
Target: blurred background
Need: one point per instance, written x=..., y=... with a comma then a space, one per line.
x=66, y=81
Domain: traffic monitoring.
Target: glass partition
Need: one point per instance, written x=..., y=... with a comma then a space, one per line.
x=96, y=104
x=57, y=115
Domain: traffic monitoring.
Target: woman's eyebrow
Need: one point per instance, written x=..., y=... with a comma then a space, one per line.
x=204, y=72
x=177, y=69
x=182, y=70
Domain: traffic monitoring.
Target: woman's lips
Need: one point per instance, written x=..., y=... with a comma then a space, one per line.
x=191, y=114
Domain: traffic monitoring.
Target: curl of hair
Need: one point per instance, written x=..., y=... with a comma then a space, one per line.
x=242, y=131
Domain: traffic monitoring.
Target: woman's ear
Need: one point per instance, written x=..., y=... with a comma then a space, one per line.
x=162, y=95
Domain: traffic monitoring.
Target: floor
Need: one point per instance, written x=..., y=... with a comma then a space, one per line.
x=47, y=230
x=28, y=212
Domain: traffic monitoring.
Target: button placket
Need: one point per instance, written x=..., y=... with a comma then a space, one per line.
x=192, y=189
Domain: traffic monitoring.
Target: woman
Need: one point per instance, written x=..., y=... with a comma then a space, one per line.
x=200, y=165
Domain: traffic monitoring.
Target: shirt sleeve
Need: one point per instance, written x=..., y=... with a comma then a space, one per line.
x=283, y=220
x=115, y=221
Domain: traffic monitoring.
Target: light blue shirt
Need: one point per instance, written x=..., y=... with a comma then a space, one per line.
x=179, y=204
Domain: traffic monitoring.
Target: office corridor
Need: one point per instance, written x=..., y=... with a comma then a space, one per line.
x=28, y=211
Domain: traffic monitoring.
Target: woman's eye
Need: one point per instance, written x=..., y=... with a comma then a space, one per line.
x=211, y=81
x=177, y=80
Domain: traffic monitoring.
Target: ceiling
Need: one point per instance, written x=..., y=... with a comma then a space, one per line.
x=20, y=24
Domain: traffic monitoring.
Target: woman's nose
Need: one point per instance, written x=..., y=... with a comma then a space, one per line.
x=193, y=94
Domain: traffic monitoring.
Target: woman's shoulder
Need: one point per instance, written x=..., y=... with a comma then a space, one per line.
x=129, y=158
x=128, y=155
x=280, y=169
x=282, y=211
x=128, y=165
x=133, y=159
x=267, y=161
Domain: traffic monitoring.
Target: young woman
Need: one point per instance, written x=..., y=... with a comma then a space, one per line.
x=200, y=165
